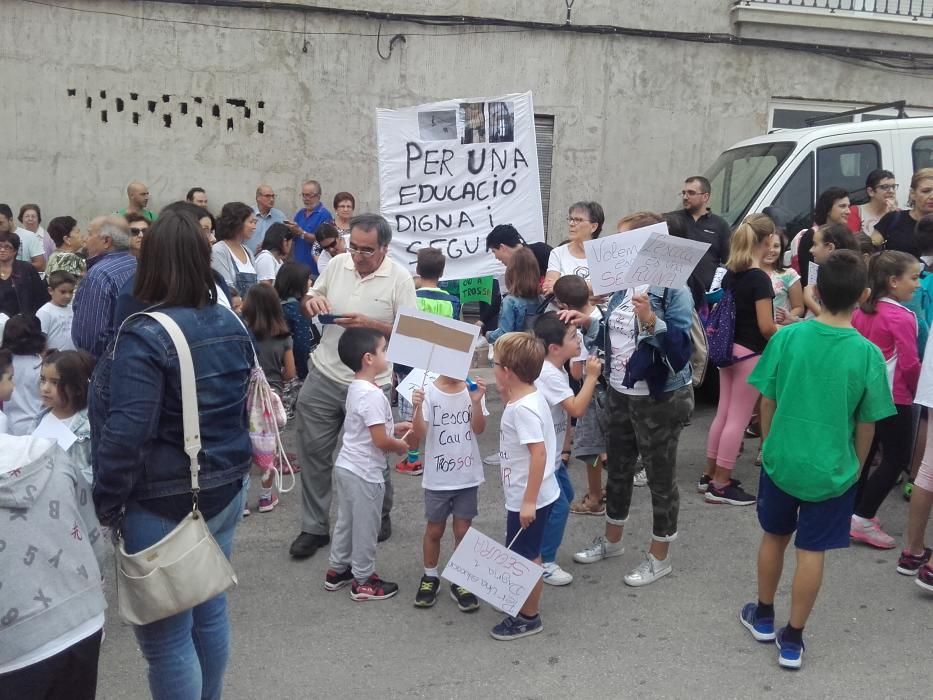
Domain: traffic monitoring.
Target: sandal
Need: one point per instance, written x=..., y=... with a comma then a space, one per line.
x=585, y=506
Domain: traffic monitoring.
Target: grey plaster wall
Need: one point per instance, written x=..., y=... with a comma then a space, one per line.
x=632, y=115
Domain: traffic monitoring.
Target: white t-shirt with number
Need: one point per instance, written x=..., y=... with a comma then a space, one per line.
x=554, y=384
x=527, y=421
x=623, y=340
x=451, y=453
x=366, y=405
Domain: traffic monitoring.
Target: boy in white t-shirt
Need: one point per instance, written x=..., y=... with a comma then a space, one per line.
x=367, y=436
x=527, y=455
x=6, y=385
x=56, y=315
x=448, y=418
x=563, y=343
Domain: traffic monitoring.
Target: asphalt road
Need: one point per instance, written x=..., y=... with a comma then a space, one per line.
x=677, y=638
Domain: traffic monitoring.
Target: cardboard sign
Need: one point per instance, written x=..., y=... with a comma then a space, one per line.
x=476, y=289
x=813, y=271
x=493, y=572
x=415, y=380
x=432, y=343
x=450, y=171
x=647, y=255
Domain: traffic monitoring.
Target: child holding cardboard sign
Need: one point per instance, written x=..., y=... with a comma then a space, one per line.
x=448, y=417
x=527, y=454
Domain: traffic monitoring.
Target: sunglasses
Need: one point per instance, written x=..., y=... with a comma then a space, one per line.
x=137, y=231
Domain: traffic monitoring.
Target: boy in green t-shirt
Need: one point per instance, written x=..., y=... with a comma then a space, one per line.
x=822, y=386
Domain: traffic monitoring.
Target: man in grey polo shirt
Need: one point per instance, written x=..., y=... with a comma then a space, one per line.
x=364, y=288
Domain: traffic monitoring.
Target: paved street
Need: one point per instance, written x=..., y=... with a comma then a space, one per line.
x=869, y=634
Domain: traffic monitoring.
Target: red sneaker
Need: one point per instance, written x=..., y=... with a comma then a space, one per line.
x=411, y=468
x=373, y=589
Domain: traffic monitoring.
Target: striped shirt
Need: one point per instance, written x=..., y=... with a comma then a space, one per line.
x=96, y=299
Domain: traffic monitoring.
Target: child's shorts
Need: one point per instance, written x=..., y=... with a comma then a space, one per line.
x=820, y=525
x=588, y=438
x=528, y=543
x=440, y=505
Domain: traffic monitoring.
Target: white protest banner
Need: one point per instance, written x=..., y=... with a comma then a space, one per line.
x=450, y=171
x=642, y=256
x=432, y=343
x=416, y=379
x=813, y=271
x=492, y=571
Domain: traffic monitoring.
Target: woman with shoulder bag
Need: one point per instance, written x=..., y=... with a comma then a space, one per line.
x=144, y=487
x=646, y=336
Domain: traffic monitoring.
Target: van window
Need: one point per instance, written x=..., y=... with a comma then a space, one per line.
x=738, y=175
x=923, y=153
x=794, y=203
x=847, y=165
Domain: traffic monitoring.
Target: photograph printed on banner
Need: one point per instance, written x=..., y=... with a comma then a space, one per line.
x=501, y=122
x=438, y=126
x=473, y=118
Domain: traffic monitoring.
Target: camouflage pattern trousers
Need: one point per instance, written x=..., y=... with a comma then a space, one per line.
x=642, y=425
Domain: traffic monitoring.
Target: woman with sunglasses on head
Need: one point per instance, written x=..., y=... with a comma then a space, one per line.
x=895, y=230
x=882, y=198
x=331, y=243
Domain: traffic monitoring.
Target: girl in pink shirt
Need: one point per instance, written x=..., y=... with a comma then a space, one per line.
x=894, y=276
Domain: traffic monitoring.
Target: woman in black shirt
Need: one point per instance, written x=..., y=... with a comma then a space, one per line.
x=895, y=230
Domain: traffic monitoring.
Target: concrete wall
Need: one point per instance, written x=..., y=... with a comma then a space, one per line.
x=632, y=115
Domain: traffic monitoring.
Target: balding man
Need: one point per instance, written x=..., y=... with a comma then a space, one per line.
x=266, y=215
x=137, y=196
x=308, y=219
x=109, y=266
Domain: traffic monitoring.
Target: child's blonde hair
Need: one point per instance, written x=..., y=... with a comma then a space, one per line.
x=750, y=233
x=522, y=353
x=523, y=275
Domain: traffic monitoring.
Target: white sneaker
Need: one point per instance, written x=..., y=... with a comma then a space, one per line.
x=641, y=478
x=555, y=575
x=599, y=550
x=481, y=343
x=492, y=353
x=649, y=571
x=492, y=460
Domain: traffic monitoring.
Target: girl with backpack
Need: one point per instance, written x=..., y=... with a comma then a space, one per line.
x=747, y=305
x=893, y=277
x=520, y=306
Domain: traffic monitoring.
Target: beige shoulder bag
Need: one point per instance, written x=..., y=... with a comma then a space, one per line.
x=186, y=567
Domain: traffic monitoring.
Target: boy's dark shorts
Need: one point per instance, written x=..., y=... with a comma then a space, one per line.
x=440, y=505
x=528, y=543
x=820, y=526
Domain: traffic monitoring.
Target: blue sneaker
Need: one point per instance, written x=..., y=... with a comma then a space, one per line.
x=516, y=628
x=762, y=628
x=790, y=653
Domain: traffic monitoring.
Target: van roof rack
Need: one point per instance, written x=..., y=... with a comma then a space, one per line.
x=898, y=105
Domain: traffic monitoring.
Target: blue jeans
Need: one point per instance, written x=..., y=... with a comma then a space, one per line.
x=557, y=521
x=187, y=653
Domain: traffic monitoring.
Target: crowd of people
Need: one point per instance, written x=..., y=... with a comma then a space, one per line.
x=819, y=338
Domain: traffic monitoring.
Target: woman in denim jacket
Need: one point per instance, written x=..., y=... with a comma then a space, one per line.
x=142, y=479
x=646, y=336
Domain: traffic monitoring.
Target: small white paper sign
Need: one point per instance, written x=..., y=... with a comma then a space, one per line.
x=493, y=572
x=432, y=343
x=415, y=380
x=717, y=279
x=647, y=255
x=812, y=272
x=52, y=428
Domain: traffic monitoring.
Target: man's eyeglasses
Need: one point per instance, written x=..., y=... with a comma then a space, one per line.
x=577, y=220
x=271, y=194
x=691, y=193
x=887, y=188
x=365, y=252
x=137, y=231
x=330, y=246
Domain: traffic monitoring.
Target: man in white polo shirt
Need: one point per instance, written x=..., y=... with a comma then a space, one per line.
x=362, y=287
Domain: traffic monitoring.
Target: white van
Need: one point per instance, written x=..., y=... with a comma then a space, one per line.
x=788, y=168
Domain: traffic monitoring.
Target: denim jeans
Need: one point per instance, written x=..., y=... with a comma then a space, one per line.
x=557, y=520
x=187, y=653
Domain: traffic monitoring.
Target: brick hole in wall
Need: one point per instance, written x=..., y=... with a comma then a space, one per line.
x=240, y=107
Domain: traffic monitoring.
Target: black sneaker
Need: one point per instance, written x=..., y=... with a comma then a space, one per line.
x=385, y=530
x=732, y=495
x=373, y=589
x=306, y=544
x=334, y=581
x=705, y=481
x=426, y=596
x=466, y=601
